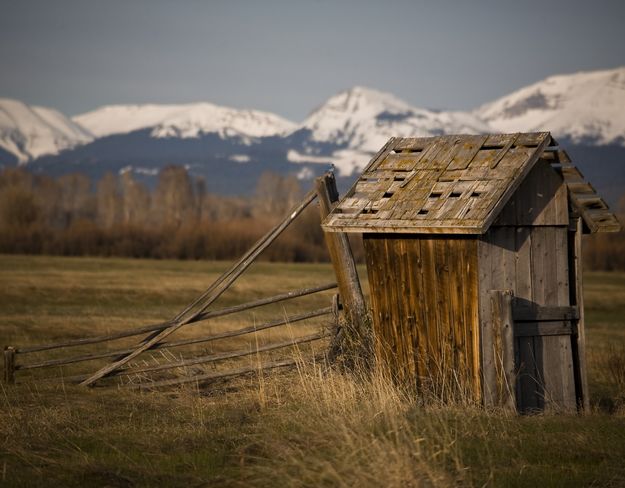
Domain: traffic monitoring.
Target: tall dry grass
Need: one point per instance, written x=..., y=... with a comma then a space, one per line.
x=311, y=426
x=324, y=427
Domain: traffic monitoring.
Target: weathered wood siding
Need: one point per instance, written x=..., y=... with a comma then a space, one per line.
x=527, y=251
x=424, y=294
x=541, y=199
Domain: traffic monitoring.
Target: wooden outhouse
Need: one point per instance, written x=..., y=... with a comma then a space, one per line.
x=473, y=249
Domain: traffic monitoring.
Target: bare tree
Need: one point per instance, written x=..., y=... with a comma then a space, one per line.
x=174, y=199
x=136, y=200
x=275, y=195
x=108, y=201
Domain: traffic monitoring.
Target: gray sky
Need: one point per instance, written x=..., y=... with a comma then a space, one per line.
x=289, y=56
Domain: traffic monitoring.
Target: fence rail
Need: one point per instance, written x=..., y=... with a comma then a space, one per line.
x=163, y=325
x=11, y=354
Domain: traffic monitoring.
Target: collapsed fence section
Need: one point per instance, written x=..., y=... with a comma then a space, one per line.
x=130, y=362
x=15, y=358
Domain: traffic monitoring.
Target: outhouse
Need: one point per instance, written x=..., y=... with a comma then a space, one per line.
x=473, y=250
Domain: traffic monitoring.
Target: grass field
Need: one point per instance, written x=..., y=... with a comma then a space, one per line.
x=298, y=428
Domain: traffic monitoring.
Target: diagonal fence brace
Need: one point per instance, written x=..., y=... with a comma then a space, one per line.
x=211, y=294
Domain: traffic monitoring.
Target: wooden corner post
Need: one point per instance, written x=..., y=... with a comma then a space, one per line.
x=343, y=261
x=9, y=365
x=578, y=340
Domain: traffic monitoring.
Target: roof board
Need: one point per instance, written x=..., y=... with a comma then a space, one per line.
x=447, y=184
x=583, y=197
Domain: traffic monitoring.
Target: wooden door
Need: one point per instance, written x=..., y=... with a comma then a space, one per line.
x=534, y=266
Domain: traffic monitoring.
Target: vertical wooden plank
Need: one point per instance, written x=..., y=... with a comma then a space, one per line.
x=398, y=304
x=517, y=371
x=553, y=263
x=376, y=292
x=526, y=381
x=540, y=271
x=523, y=272
x=565, y=347
x=541, y=267
x=507, y=241
x=421, y=312
x=527, y=398
x=396, y=307
x=485, y=275
x=472, y=300
x=503, y=332
x=390, y=332
x=579, y=340
x=457, y=325
x=539, y=368
x=9, y=365
x=552, y=372
x=445, y=354
x=527, y=376
x=497, y=258
x=410, y=300
x=562, y=271
x=430, y=278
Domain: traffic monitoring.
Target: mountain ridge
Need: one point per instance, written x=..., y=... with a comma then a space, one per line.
x=581, y=109
x=182, y=120
x=28, y=132
x=584, y=107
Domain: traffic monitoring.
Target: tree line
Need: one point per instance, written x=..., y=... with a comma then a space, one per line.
x=179, y=219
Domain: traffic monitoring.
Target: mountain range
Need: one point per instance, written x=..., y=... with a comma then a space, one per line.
x=231, y=148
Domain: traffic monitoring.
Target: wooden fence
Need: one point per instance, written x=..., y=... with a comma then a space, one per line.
x=15, y=358
x=125, y=362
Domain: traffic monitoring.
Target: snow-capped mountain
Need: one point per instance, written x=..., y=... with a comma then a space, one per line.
x=183, y=121
x=27, y=132
x=357, y=122
x=232, y=147
x=587, y=107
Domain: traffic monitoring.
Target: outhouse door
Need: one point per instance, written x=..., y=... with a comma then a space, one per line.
x=537, y=326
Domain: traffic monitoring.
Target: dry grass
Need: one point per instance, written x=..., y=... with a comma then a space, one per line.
x=304, y=427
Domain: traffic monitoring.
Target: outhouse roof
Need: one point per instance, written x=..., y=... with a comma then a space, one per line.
x=456, y=184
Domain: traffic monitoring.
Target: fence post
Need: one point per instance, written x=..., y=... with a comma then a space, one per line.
x=9, y=365
x=343, y=264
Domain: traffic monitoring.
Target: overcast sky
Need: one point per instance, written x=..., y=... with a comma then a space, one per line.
x=289, y=56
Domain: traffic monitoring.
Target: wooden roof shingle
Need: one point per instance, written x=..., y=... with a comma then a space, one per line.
x=454, y=184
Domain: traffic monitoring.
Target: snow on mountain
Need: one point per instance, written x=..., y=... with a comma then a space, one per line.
x=29, y=131
x=359, y=121
x=585, y=107
x=344, y=131
x=183, y=121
